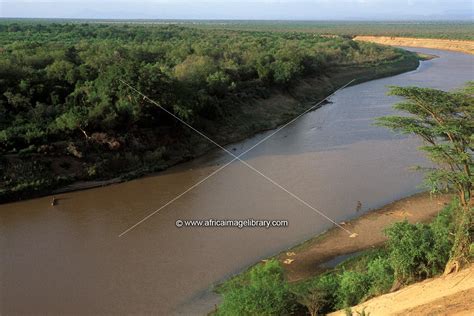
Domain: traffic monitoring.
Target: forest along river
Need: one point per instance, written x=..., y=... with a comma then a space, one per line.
x=68, y=259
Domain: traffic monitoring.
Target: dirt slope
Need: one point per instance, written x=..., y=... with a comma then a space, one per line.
x=446, y=295
x=446, y=44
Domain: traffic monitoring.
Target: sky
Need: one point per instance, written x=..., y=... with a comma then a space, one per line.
x=242, y=9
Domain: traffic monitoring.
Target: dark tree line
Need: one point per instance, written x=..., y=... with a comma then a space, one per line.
x=66, y=113
x=56, y=79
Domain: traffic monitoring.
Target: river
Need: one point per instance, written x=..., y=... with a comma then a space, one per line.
x=68, y=259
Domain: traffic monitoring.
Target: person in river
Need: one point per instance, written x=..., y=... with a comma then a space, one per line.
x=54, y=201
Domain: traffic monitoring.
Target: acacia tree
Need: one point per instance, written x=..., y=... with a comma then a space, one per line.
x=445, y=123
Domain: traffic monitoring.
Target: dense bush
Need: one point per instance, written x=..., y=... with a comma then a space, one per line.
x=380, y=275
x=418, y=251
x=429, y=29
x=58, y=81
x=353, y=287
x=413, y=252
x=443, y=227
x=410, y=246
x=264, y=293
x=352, y=282
x=60, y=84
x=319, y=294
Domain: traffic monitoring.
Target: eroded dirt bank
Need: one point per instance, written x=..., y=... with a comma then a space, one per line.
x=445, y=295
x=446, y=44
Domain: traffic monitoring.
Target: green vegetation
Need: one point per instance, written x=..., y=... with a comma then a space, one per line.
x=462, y=30
x=264, y=293
x=418, y=251
x=66, y=114
x=444, y=121
x=428, y=29
x=413, y=252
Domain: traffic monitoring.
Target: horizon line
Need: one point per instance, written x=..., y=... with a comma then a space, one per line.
x=230, y=19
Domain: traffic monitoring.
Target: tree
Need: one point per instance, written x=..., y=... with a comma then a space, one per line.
x=62, y=70
x=218, y=82
x=445, y=123
x=195, y=69
x=285, y=71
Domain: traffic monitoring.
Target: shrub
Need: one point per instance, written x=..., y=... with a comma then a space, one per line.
x=318, y=295
x=353, y=287
x=266, y=293
x=155, y=156
x=195, y=69
x=442, y=227
x=285, y=71
x=409, y=245
x=329, y=284
x=418, y=251
x=380, y=274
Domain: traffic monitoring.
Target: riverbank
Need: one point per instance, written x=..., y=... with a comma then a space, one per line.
x=334, y=256
x=325, y=250
x=311, y=257
x=445, y=295
x=63, y=173
x=463, y=46
x=331, y=158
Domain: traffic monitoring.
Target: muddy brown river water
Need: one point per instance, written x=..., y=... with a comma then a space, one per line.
x=68, y=259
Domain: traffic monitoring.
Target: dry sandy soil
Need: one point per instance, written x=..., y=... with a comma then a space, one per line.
x=446, y=295
x=446, y=44
x=305, y=260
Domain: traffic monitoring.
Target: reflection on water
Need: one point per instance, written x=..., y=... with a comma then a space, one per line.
x=68, y=258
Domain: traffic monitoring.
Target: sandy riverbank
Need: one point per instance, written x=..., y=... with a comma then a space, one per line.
x=445, y=44
x=445, y=295
x=308, y=258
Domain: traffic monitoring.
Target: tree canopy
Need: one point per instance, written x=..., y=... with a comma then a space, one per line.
x=56, y=78
x=445, y=123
